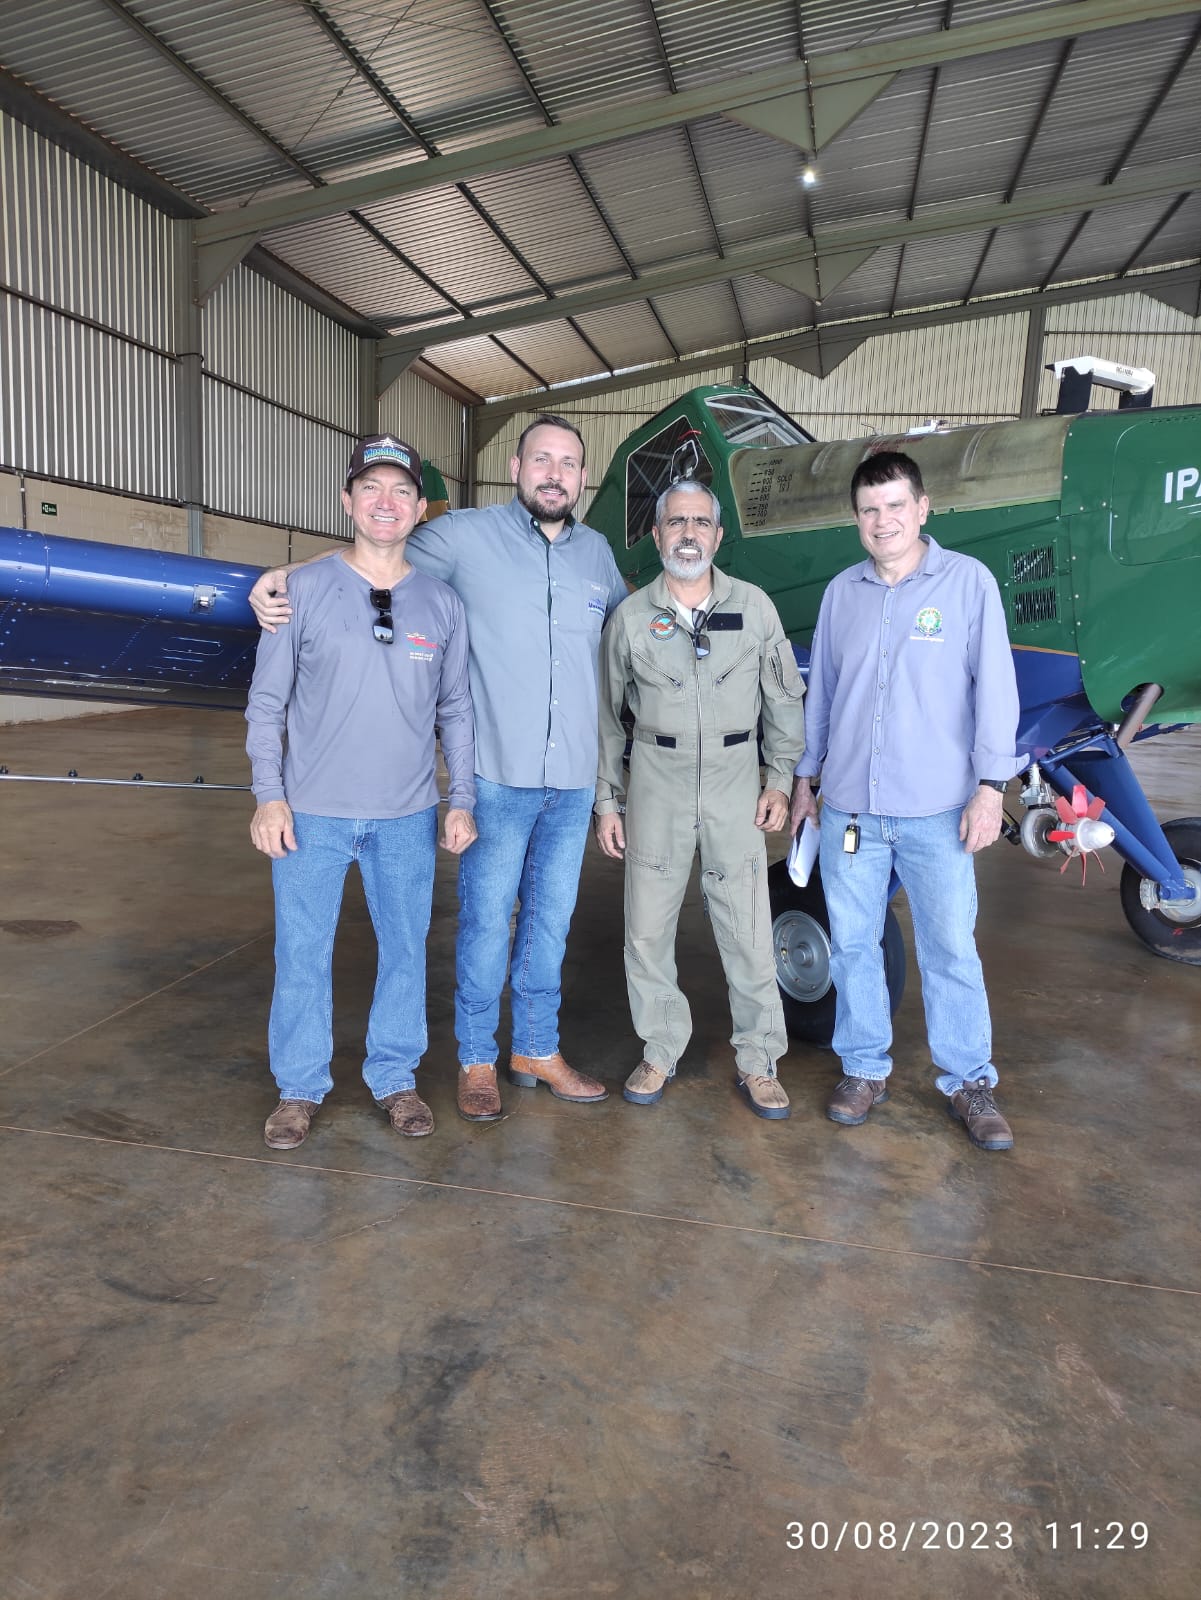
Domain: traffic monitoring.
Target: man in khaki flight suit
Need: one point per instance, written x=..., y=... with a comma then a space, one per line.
x=699, y=657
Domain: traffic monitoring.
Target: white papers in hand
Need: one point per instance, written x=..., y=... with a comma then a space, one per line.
x=803, y=852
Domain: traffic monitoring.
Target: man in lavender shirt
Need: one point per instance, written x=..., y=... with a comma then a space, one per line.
x=911, y=718
x=343, y=710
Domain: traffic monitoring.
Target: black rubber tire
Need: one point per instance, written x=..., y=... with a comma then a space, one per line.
x=1175, y=941
x=800, y=922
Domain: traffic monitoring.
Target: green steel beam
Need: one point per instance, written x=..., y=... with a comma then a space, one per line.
x=828, y=247
x=825, y=77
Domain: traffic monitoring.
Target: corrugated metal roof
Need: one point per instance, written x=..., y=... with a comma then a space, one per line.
x=555, y=351
x=81, y=56
x=562, y=237
x=1115, y=233
x=233, y=103
x=649, y=190
x=1111, y=80
x=574, y=53
x=359, y=270
x=445, y=62
x=700, y=319
x=281, y=68
x=481, y=365
x=628, y=336
x=1176, y=239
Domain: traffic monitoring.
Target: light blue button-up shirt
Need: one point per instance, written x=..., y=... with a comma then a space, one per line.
x=912, y=694
x=535, y=609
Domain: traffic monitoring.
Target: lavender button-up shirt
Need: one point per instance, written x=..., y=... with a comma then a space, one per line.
x=912, y=694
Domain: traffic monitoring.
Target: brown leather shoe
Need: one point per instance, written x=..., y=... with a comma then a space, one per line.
x=854, y=1098
x=477, y=1095
x=288, y=1124
x=564, y=1082
x=765, y=1096
x=408, y=1113
x=977, y=1110
x=645, y=1085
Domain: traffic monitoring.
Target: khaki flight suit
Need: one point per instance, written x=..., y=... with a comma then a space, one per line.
x=694, y=785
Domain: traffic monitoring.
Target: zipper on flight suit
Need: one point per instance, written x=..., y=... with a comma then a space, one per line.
x=696, y=668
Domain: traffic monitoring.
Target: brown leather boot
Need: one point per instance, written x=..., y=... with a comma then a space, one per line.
x=564, y=1082
x=477, y=1095
x=977, y=1110
x=288, y=1124
x=408, y=1113
x=854, y=1098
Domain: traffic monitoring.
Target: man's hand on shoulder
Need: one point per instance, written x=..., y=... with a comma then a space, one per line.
x=269, y=599
x=271, y=829
x=772, y=811
x=804, y=803
x=611, y=834
x=980, y=824
x=458, y=831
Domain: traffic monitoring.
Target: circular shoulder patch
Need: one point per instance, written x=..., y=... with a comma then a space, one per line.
x=663, y=624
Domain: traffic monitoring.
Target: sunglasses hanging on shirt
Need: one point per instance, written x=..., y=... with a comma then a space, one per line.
x=700, y=639
x=381, y=628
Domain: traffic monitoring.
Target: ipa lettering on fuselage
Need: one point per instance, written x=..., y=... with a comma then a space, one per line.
x=1185, y=478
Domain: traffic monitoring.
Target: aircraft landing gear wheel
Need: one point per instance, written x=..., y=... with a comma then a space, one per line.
x=1171, y=928
x=801, y=938
x=1036, y=825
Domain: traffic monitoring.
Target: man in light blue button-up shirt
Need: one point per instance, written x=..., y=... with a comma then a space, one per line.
x=911, y=717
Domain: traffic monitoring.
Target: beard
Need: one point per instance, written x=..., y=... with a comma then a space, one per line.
x=686, y=561
x=538, y=504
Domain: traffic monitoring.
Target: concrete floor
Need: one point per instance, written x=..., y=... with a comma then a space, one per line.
x=585, y=1351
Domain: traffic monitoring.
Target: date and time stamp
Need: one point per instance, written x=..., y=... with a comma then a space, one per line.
x=930, y=1534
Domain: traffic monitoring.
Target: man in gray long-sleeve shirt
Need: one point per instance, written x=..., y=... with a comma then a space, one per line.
x=537, y=586
x=911, y=718
x=342, y=712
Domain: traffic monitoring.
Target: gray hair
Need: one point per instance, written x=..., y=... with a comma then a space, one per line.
x=687, y=486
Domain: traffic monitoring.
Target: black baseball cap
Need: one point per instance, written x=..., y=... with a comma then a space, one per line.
x=381, y=449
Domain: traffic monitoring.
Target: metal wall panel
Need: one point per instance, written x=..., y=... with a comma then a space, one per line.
x=78, y=404
x=961, y=371
x=1133, y=329
x=268, y=465
x=74, y=240
x=258, y=335
x=432, y=422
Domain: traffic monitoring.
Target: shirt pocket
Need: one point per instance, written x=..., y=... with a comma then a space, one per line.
x=785, y=674
x=579, y=608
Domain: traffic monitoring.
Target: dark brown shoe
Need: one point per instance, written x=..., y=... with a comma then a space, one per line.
x=854, y=1098
x=564, y=1082
x=288, y=1124
x=977, y=1110
x=477, y=1095
x=408, y=1113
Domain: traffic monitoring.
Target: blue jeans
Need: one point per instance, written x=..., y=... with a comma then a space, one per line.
x=939, y=879
x=396, y=862
x=529, y=849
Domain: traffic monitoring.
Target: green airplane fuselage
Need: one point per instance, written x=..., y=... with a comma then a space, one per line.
x=1091, y=525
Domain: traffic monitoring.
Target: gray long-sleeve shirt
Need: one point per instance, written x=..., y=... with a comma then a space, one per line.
x=342, y=725
x=912, y=692
x=535, y=609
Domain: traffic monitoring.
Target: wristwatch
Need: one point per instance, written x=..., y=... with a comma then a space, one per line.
x=993, y=783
